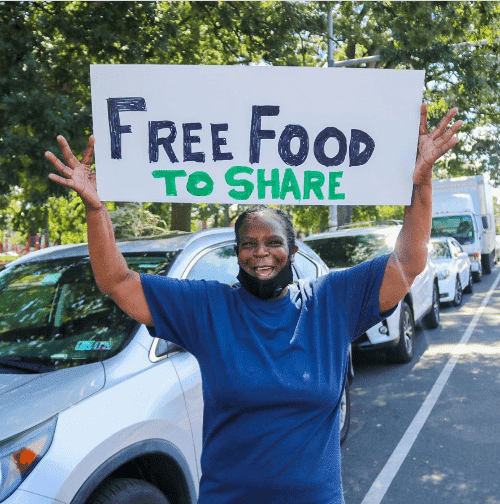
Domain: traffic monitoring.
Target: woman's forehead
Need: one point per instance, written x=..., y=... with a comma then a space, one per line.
x=262, y=222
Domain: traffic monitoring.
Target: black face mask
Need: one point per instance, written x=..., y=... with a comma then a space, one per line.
x=267, y=289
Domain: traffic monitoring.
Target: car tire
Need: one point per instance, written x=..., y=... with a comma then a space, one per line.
x=469, y=289
x=128, y=491
x=431, y=320
x=345, y=412
x=457, y=299
x=403, y=352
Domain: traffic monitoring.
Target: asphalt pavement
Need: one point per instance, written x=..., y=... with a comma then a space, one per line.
x=429, y=431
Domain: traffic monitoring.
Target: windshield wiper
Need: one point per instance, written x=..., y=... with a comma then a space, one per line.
x=25, y=364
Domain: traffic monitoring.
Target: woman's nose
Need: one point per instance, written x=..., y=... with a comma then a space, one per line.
x=261, y=249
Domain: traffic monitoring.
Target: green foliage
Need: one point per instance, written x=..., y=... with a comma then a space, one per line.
x=367, y=213
x=131, y=220
x=457, y=44
x=308, y=219
x=66, y=219
x=496, y=209
x=47, y=48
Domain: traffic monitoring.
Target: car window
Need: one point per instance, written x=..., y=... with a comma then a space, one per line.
x=439, y=250
x=306, y=267
x=52, y=312
x=346, y=251
x=455, y=246
x=217, y=264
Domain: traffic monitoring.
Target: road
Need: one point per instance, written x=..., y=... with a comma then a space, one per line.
x=429, y=431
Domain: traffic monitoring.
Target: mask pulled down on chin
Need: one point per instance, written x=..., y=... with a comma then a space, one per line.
x=267, y=289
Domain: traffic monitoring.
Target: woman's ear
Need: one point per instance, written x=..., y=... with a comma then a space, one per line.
x=294, y=251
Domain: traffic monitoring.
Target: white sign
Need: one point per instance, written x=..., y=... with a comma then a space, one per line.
x=279, y=135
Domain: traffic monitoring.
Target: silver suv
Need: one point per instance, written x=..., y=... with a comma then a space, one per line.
x=354, y=244
x=92, y=408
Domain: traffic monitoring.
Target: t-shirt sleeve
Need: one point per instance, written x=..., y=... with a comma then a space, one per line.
x=174, y=305
x=360, y=295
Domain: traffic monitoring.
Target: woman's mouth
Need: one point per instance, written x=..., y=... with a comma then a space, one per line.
x=263, y=271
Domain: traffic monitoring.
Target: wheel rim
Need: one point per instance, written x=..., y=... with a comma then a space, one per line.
x=435, y=303
x=408, y=332
x=343, y=410
x=458, y=292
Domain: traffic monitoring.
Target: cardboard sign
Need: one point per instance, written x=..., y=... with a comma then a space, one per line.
x=272, y=135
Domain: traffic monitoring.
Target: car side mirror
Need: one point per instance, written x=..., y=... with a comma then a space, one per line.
x=164, y=347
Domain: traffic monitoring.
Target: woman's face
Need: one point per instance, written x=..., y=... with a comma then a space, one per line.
x=263, y=250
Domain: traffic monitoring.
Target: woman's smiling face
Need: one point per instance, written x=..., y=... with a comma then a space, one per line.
x=263, y=248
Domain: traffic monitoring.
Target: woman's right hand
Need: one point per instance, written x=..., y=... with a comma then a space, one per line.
x=78, y=175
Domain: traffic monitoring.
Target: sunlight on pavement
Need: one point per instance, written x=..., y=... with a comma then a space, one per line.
x=433, y=478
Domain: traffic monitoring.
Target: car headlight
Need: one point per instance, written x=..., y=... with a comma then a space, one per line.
x=443, y=274
x=20, y=454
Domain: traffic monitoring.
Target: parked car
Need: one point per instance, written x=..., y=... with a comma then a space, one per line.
x=349, y=246
x=91, y=406
x=454, y=269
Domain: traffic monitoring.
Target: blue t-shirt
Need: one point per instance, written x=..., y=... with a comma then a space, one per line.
x=273, y=373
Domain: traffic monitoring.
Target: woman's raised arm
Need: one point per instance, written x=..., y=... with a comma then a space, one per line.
x=410, y=254
x=112, y=275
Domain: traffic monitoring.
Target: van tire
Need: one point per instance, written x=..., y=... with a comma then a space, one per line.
x=478, y=275
x=128, y=491
x=486, y=260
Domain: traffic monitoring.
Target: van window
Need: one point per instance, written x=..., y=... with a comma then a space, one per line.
x=459, y=227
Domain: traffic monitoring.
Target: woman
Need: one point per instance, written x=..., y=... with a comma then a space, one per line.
x=272, y=354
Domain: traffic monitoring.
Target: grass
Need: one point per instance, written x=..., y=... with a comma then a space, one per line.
x=5, y=258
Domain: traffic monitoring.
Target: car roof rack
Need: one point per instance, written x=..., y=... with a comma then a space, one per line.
x=389, y=222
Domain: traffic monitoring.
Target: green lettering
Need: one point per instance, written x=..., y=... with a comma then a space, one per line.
x=313, y=180
x=195, y=178
x=262, y=183
x=246, y=184
x=290, y=184
x=333, y=184
x=169, y=176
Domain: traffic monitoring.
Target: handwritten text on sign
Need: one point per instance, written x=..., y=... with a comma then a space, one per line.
x=255, y=134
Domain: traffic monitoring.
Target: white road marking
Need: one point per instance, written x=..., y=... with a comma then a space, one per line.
x=384, y=479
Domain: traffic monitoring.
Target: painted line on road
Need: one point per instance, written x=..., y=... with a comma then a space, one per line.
x=384, y=479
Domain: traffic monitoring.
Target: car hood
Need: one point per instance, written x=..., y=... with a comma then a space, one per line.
x=27, y=400
x=442, y=264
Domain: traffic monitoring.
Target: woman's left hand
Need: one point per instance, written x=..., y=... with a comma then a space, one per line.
x=431, y=146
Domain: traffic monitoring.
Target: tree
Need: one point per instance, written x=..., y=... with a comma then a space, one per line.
x=456, y=43
x=48, y=46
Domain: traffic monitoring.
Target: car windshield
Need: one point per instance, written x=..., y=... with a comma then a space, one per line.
x=439, y=250
x=458, y=226
x=53, y=316
x=347, y=251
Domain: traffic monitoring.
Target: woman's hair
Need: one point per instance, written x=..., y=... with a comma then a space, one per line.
x=282, y=216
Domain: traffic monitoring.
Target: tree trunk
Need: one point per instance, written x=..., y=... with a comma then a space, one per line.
x=344, y=214
x=181, y=217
